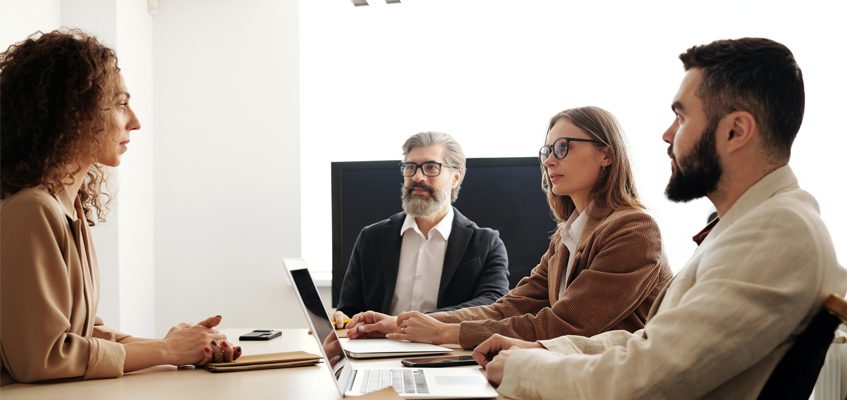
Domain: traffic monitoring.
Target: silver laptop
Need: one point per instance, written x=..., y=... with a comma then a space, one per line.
x=375, y=348
x=411, y=383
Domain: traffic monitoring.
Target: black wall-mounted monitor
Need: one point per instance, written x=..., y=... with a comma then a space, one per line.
x=499, y=193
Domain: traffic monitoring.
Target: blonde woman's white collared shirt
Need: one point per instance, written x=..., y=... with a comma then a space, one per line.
x=571, y=233
x=421, y=262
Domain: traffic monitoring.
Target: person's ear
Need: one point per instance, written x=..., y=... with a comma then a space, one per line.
x=457, y=178
x=607, y=158
x=740, y=128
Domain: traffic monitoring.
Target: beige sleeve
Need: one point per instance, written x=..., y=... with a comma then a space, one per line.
x=36, y=339
x=575, y=344
x=754, y=288
x=104, y=332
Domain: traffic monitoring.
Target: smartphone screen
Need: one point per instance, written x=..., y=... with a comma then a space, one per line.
x=446, y=361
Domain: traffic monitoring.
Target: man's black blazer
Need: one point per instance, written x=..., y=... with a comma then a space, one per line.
x=475, y=270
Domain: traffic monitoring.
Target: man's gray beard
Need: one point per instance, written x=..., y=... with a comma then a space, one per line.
x=418, y=206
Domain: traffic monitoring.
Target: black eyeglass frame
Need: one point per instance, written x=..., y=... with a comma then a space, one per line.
x=551, y=148
x=421, y=167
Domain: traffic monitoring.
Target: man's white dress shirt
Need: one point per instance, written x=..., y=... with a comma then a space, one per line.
x=421, y=262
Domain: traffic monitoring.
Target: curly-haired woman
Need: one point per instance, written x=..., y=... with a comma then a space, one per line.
x=64, y=116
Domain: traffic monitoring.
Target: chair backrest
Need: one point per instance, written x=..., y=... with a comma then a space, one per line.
x=795, y=375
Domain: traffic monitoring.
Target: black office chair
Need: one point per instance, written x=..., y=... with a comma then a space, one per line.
x=795, y=375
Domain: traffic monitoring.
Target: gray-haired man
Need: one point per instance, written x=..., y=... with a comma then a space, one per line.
x=429, y=257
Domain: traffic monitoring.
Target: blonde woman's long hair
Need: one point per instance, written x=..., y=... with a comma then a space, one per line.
x=616, y=187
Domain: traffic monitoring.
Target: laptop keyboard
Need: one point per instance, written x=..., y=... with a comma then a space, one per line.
x=403, y=380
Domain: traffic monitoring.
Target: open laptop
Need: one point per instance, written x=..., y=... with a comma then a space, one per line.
x=366, y=348
x=411, y=383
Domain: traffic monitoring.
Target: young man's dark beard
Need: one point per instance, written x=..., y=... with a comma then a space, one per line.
x=697, y=174
x=420, y=206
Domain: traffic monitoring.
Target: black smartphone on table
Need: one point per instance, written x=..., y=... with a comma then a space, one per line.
x=445, y=361
x=260, y=334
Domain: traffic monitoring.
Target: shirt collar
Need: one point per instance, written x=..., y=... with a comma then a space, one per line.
x=443, y=227
x=701, y=236
x=573, y=228
x=579, y=223
x=576, y=223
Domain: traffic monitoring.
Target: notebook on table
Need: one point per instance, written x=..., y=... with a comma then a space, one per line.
x=411, y=383
x=266, y=361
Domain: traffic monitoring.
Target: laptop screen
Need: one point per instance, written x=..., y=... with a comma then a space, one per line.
x=321, y=326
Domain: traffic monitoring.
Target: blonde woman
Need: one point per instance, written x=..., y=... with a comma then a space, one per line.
x=605, y=265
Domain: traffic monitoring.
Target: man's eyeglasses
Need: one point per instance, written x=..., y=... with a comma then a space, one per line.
x=559, y=148
x=429, y=168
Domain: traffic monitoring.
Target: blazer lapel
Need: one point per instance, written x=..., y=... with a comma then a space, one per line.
x=390, y=257
x=596, y=215
x=457, y=243
x=554, y=269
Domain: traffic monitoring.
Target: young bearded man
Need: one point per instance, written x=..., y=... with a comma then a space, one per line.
x=758, y=276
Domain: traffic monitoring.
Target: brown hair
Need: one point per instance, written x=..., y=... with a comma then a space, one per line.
x=756, y=75
x=616, y=187
x=54, y=92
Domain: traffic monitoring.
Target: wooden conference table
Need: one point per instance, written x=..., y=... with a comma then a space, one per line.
x=166, y=382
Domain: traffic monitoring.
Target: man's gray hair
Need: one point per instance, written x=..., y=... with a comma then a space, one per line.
x=453, y=154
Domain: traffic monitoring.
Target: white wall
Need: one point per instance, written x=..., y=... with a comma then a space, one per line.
x=227, y=163
x=492, y=72
x=19, y=19
x=135, y=197
x=214, y=202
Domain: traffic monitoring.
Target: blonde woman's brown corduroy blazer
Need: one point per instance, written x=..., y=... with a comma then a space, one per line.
x=619, y=270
